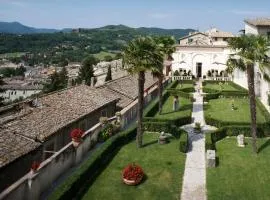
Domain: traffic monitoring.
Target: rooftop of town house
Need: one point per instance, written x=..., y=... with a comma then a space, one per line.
x=214, y=32
x=13, y=146
x=57, y=110
x=128, y=85
x=123, y=99
x=258, y=21
x=221, y=34
x=21, y=87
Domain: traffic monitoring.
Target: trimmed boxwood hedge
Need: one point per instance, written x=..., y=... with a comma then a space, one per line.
x=72, y=187
x=263, y=128
x=212, y=137
x=183, y=142
x=178, y=92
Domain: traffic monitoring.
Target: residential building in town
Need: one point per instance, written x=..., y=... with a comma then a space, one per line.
x=38, y=128
x=35, y=129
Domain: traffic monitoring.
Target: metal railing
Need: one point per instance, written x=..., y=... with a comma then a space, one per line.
x=218, y=79
x=174, y=78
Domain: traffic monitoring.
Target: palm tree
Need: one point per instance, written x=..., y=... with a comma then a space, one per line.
x=166, y=46
x=250, y=50
x=139, y=56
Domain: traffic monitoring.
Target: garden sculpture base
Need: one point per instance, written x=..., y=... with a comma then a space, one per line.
x=211, y=158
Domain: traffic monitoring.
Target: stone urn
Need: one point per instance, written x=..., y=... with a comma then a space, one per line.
x=163, y=139
x=75, y=142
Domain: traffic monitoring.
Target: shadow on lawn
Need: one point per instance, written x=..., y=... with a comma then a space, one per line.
x=263, y=146
x=150, y=143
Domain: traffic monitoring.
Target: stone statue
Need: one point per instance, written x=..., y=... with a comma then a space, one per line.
x=240, y=140
x=175, y=103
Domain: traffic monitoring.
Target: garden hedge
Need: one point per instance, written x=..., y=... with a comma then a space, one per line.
x=212, y=137
x=72, y=187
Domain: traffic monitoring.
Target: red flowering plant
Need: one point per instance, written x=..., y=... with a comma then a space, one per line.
x=132, y=174
x=35, y=165
x=76, y=134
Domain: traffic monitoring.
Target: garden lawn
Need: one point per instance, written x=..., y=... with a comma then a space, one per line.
x=225, y=87
x=167, y=109
x=184, y=85
x=241, y=174
x=162, y=164
x=221, y=109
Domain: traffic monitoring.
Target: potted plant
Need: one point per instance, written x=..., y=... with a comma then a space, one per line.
x=76, y=136
x=132, y=174
x=197, y=128
x=34, y=167
x=106, y=132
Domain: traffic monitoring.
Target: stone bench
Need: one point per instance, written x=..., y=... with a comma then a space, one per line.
x=211, y=158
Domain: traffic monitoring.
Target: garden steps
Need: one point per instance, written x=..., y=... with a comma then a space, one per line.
x=194, y=181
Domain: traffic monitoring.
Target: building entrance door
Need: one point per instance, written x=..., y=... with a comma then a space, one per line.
x=199, y=70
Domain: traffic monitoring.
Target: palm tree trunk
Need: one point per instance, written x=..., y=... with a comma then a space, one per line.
x=160, y=79
x=141, y=80
x=252, y=100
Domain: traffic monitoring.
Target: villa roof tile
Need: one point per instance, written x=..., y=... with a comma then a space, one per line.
x=259, y=21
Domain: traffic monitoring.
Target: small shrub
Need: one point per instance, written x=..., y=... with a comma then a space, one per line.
x=183, y=142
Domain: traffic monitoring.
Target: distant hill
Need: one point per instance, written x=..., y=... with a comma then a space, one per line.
x=18, y=28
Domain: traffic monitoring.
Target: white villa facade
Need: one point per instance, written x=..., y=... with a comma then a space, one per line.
x=201, y=52
x=262, y=87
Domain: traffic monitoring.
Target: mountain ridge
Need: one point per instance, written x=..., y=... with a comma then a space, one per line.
x=18, y=28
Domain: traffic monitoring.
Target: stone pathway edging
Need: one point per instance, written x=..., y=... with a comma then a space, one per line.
x=194, y=181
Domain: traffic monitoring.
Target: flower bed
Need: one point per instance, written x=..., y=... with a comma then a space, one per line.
x=132, y=174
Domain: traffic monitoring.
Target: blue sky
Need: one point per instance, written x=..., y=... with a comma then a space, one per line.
x=227, y=15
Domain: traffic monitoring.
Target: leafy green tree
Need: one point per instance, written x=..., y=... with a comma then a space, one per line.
x=109, y=74
x=108, y=58
x=63, y=76
x=139, y=56
x=63, y=63
x=250, y=50
x=118, y=56
x=19, y=71
x=57, y=81
x=53, y=84
x=86, y=71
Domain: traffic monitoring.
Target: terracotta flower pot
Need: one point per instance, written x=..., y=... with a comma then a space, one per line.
x=75, y=142
x=131, y=182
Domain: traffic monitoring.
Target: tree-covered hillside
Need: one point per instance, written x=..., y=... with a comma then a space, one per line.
x=76, y=45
